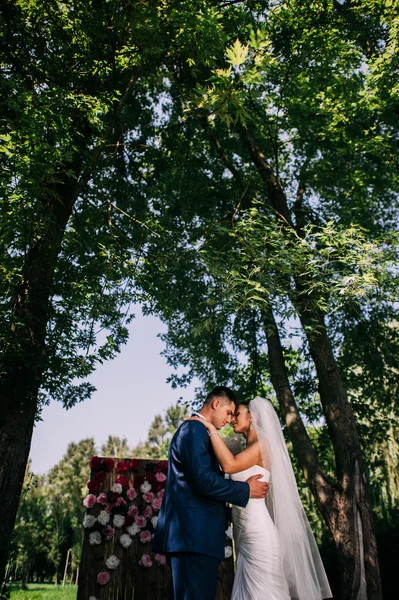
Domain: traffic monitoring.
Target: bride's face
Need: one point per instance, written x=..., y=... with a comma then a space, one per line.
x=242, y=419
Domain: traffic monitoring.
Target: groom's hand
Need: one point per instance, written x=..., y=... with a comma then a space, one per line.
x=257, y=489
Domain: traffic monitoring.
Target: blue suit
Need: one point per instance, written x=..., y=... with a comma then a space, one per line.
x=192, y=520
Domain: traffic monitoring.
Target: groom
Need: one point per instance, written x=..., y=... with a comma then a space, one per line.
x=192, y=520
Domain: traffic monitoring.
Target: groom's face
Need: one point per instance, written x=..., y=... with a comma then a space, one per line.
x=222, y=412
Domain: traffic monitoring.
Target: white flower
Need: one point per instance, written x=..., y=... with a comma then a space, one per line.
x=89, y=521
x=229, y=531
x=112, y=562
x=133, y=529
x=125, y=540
x=95, y=538
x=103, y=517
x=119, y=520
x=154, y=521
x=92, y=598
x=228, y=551
x=145, y=487
x=117, y=487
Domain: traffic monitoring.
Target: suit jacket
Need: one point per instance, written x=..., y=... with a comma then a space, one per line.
x=193, y=515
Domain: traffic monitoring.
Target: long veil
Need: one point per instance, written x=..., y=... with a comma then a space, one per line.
x=302, y=563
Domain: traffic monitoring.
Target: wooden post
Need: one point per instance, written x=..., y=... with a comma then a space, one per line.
x=66, y=567
x=130, y=580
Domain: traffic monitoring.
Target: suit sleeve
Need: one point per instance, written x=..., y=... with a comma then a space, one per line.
x=193, y=449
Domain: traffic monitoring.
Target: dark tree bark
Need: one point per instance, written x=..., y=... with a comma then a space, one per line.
x=25, y=358
x=346, y=509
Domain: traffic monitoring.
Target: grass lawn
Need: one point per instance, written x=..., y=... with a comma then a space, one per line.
x=44, y=591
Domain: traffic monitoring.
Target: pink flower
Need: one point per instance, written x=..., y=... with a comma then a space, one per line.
x=148, y=496
x=156, y=504
x=108, y=508
x=147, y=512
x=160, y=477
x=103, y=577
x=145, y=561
x=145, y=536
x=89, y=501
x=133, y=511
x=102, y=499
x=109, y=533
x=120, y=502
x=160, y=558
x=161, y=494
x=140, y=521
x=131, y=494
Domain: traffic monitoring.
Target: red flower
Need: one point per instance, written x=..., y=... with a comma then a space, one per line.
x=114, y=497
x=122, y=467
x=129, y=520
x=158, y=486
x=109, y=533
x=93, y=486
x=108, y=464
x=95, y=462
x=138, y=480
x=150, y=477
x=123, y=481
x=161, y=467
x=100, y=476
x=134, y=464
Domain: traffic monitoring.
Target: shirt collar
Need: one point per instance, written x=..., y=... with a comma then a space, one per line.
x=197, y=414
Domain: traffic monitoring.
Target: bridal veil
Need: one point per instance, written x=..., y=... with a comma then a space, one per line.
x=302, y=563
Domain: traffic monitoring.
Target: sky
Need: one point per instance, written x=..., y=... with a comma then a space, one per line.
x=131, y=389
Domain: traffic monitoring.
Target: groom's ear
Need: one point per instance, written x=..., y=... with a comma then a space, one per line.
x=216, y=403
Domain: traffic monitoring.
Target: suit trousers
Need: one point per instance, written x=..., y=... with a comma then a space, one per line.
x=194, y=576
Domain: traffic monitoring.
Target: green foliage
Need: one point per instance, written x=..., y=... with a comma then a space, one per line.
x=51, y=511
x=161, y=432
x=83, y=87
x=44, y=592
x=309, y=83
x=50, y=515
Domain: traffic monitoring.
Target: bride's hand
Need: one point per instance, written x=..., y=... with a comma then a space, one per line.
x=206, y=424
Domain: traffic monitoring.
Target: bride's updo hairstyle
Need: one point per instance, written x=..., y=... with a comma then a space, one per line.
x=242, y=418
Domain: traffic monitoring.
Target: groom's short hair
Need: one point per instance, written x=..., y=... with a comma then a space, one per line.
x=224, y=393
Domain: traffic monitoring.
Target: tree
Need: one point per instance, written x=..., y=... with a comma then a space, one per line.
x=293, y=145
x=115, y=447
x=161, y=432
x=276, y=139
x=29, y=550
x=64, y=490
x=82, y=84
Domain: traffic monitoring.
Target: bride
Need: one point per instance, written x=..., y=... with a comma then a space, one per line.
x=277, y=555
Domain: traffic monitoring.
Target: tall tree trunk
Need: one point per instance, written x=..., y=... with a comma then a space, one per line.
x=25, y=358
x=348, y=510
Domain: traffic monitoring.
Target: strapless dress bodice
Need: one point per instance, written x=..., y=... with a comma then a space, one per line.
x=247, y=473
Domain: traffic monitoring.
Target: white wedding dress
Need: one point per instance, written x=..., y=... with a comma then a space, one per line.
x=259, y=569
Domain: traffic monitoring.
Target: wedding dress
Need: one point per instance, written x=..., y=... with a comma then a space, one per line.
x=259, y=569
x=277, y=555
